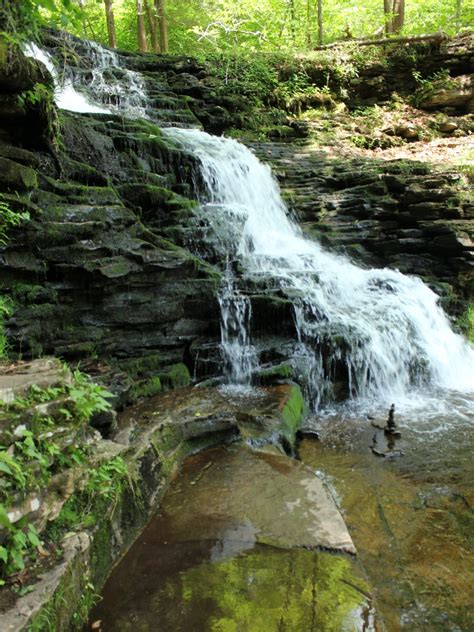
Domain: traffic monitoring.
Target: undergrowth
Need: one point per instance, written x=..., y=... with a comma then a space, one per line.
x=35, y=446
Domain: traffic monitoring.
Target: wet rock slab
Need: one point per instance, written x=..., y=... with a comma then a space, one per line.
x=264, y=415
x=235, y=547
x=276, y=500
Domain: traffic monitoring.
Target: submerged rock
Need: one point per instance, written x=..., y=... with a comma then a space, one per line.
x=233, y=547
x=283, y=501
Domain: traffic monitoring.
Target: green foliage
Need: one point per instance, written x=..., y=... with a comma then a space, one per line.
x=21, y=19
x=440, y=80
x=107, y=481
x=21, y=541
x=101, y=492
x=243, y=75
x=31, y=460
x=88, y=397
x=33, y=454
x=9, y=219
x=202, y=28
x=6, y=308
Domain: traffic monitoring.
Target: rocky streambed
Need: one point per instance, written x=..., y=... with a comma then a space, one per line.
x=410, y=516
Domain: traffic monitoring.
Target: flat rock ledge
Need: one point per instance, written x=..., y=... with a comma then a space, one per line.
x=286, y=503
x=280, y=501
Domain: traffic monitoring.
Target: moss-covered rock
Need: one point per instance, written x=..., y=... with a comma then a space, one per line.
x=16, y=177
x=292, y=412
x=176, y=376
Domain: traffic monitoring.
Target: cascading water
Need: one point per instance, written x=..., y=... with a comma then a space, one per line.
x=236, y=313
x=66, y=96
x=116, y=89
x=386, y=327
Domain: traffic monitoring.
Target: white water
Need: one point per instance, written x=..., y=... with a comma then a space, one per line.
x=66, y=96
x=236, y=313
x=114, y=89
x=387, y=327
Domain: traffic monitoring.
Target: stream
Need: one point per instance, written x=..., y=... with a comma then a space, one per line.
x=410, y=517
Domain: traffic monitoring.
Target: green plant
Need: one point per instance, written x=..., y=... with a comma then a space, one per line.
x=6, y=307
x=440, y=80
x=88, y=396
x=10, y=219
x=22, y=20
x=22, y=541
x=89, y=598
x=107, y=480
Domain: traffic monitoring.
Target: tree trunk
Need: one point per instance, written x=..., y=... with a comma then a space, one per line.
x=109, y=16
x=293, y=20
x=153, y=26
x=142, y=45
x=399, y=15
x=394, y=15
x=387, y=9
x=458, y=15
x=308, y=23
x=320, y=22
x=160, y=10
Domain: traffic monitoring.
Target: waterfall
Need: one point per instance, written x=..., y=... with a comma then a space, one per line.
x=386, y=328
x=236, y=313
x=66, y=96
x=104, y=88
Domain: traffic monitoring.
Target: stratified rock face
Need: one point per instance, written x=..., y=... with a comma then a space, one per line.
x=92, y=272
x=101, y=281
x=456, y=93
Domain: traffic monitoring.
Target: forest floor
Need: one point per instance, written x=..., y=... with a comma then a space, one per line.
x=402, y=134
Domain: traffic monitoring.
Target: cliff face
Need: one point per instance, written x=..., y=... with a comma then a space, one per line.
x=104, y=269
x=93, y=272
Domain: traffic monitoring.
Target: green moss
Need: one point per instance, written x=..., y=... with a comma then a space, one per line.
x=16, y=177
x=139, y=367
x=81, y=193
x=145, y=388
x=3, y=52
x=57, y=615
x=176, y=376
x=167, y=439
x=207, y=270
x=101, y=552
x=115, y=267
x=292, y=413
x=466, y=322
x=281, y=371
